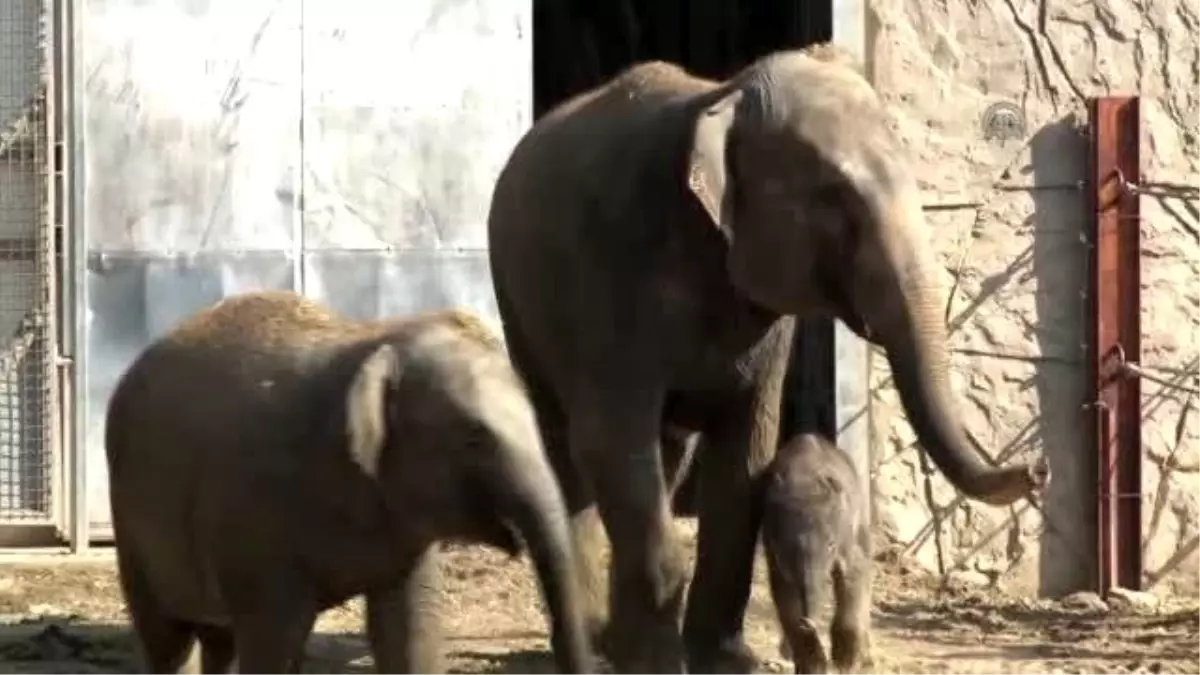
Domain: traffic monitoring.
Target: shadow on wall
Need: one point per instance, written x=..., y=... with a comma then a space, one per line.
x=1059, y=161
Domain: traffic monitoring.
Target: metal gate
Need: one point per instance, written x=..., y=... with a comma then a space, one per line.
x=28, y=455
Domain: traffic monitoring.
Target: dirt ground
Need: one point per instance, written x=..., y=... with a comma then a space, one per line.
x=67, y=617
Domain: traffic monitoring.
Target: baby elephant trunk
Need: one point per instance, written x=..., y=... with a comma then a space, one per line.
x=538, y=511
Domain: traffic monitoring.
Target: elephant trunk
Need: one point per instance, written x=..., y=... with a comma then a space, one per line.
x=913, y=333
x=538, y=510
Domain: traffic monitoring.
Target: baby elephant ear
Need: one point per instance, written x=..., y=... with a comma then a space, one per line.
x=366, y=413
x=707, y=171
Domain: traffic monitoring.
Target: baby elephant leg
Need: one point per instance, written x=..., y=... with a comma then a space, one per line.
x=796, y=618
x=849, y=632
x=404, y=622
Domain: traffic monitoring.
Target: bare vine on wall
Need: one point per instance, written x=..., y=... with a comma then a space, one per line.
x=1180, y=384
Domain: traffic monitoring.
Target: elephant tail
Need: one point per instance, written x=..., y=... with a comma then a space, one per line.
x=539, y=514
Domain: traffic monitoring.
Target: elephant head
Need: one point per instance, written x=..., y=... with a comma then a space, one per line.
x=795, y=164
x=442, y=424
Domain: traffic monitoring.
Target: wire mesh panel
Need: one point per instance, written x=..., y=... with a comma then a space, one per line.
x=26, y=385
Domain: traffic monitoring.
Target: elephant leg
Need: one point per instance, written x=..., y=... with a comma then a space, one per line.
x=588, y=537
x=587, y=530
x=850, y=630
x=167, y=643
x=679, y=467
x=736, y=451
x=404, y=621
x=270, y=641
x=615, y=437
x=217, y=652
x=272, y=619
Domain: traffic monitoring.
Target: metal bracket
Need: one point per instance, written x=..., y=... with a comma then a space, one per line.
x=1113, y=365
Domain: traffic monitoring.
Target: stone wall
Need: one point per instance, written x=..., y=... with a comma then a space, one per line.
x=1014, y=267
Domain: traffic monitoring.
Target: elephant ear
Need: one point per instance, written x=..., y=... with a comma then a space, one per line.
x=366, y=408
x=708, y=171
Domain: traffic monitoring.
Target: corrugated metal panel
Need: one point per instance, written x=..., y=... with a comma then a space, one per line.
x=369, y=284
x=410, y=110
x=193, y=124
x=343, y=147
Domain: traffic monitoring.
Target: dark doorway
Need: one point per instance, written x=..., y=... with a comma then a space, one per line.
x=578, y=44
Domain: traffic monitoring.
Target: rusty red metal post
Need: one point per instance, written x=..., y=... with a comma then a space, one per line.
x=1116, y=337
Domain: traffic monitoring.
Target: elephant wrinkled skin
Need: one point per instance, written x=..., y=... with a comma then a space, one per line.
x=651, y=241
x=269, y=460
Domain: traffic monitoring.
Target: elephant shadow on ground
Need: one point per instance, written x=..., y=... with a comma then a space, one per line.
x=67, y=645
x=348, y=653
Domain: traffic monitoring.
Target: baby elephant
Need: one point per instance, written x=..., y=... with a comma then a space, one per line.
x=269, y=460
x=814, y=531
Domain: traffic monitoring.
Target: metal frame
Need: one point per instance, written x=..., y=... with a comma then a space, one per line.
x=852, y=412
x=827, y=387
x=52, y=222
x=1115, y=343
x=75, y=278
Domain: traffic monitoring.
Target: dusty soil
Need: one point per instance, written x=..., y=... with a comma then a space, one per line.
x=60, y=617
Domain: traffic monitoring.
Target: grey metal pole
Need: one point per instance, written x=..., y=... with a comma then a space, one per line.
x=70, y=31
x=851, y=392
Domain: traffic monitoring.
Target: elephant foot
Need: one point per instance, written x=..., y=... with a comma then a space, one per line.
x=851, y=648
x=653, y=650
x=731, y=655
x=603, y=641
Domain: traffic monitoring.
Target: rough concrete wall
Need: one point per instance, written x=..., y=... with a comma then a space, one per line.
x=1015, y=270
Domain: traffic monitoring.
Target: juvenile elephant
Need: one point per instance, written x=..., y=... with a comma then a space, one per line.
x=269, y=460
x=815, y=536
x=651, y=241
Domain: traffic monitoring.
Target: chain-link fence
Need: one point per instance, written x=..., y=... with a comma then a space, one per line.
x=26, y=382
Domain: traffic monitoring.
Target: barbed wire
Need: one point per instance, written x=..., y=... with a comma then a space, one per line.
x=1174, y=381
x=1147, y=372
x=1166, y=189
x=1127, y=368
x=940, y=512
x=1162, y=191
x=1133, y=369
x=1025, y=440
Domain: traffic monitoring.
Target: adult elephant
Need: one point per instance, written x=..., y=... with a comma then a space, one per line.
x=650, y=242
